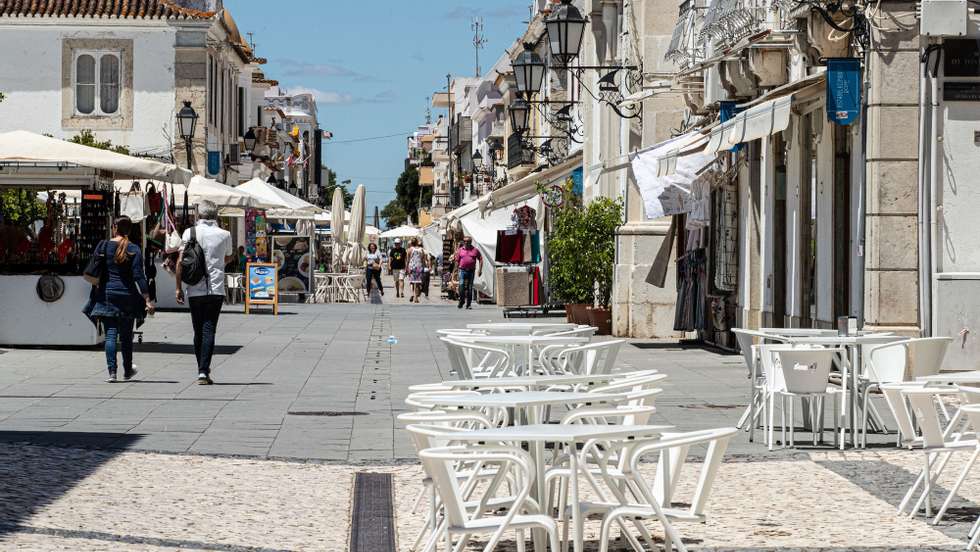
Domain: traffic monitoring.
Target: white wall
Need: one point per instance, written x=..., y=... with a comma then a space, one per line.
x=31, y=69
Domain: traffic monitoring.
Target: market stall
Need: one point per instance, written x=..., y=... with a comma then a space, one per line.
x=44, y=246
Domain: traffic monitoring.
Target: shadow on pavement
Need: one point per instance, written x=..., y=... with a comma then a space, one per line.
x=684, y=345
x=182, y=348
x=889, y=482
x=31, y=477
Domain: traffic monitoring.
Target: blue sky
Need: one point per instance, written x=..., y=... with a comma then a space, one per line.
x=371, y=65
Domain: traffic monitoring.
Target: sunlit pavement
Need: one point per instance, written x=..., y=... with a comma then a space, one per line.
x=265, y=460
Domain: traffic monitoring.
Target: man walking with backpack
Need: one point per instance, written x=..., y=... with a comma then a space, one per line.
x=206, y=249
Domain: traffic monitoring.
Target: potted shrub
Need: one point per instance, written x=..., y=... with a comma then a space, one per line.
x=582, y=253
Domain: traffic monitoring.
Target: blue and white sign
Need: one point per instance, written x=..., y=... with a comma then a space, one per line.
x=843, y=90
x=214, y=162
x=726, y=110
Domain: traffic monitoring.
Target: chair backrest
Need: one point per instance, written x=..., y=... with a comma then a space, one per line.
x=593, y=358
x=922, y=401
x=972, y=413
x=440, y=463
x=746, y=339
x=484, y=361
x=624, y=415
x=634, y=384
x=907, y=360
x=900, y=410
x=437, y=429
x=457, y=361
x=673, y=449
x=805, y=371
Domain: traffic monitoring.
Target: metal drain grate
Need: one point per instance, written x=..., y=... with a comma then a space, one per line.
x=327, y=413
x=372, y=515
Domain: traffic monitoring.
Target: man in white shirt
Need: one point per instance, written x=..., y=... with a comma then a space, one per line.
x=206, y=296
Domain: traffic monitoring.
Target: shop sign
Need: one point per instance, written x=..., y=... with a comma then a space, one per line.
x=961, y=57
x=214, y=162
x=843, y=90
x=578, y=182
x=728, y=109
x=961, y=91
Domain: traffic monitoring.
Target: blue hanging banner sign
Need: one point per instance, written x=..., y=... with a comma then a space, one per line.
x=726, y=110
x=214, y=162
x=843, y=90
x=578, y=182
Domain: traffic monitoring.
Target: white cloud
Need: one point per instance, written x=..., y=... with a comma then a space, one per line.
x=330, y=97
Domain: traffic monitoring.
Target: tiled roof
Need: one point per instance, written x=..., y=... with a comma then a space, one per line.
x=135, y=9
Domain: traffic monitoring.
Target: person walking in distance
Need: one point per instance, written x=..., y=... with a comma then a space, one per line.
x=417, y=263
x=470, y=263
x=373, y=268
x=205, y=251
x=122, y=298
x=396, y=267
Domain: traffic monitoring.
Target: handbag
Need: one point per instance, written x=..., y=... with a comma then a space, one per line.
x=96, y=268
x=131, y=204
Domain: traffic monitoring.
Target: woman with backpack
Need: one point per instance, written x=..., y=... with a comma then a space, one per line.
x=121, y=300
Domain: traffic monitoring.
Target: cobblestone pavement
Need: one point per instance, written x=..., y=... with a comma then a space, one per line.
x=265, y=460
x=86, y=500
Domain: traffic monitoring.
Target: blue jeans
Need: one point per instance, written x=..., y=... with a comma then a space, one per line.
x=204, y=316
x=465, y=287
x=121, y=329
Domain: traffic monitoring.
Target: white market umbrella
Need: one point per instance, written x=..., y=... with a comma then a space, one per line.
x=402, y=232
x=21, y=145
x=286, y=205
x=355, y=233
x=337, y=225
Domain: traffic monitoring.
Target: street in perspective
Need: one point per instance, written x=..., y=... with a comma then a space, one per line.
x=459, y=276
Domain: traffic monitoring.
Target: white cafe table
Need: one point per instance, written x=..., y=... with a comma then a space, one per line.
x=532, y=405
x=851, y=369
x=570, y=435
x=521, y=346
x=973, y=376
x=532, y=383
x=520, y=328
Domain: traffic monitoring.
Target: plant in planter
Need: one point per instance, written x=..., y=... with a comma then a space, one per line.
x=582, y=250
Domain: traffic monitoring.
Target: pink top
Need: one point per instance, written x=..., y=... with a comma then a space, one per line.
x=468, y=258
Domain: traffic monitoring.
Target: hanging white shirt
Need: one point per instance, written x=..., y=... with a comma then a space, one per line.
x=216, y=243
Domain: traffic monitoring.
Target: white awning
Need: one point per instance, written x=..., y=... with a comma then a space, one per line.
x=764, y=117
x=666, y=192
x=23, y=146
x=527, y=187
x=402, y=232
x=287, y=205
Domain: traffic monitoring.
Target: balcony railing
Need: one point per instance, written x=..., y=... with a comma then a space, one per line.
x=728, y=21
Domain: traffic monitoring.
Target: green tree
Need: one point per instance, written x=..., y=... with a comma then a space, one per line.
x=393, y=214
x=409, y=194
x=88, y=138
x=21, y=207
x=326, y=198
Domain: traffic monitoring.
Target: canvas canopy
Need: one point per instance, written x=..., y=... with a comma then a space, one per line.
x=200, y=189
x=666, y=186
x=286, y=205
x=402, y=232
x=23, y=146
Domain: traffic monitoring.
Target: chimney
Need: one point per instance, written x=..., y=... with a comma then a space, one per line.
x=200, y=5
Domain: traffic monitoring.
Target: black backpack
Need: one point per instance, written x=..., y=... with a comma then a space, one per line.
x=193, y=266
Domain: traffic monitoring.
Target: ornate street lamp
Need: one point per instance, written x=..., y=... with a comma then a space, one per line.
x=529, y=70
x=250, y=139
x=477, y=158
x=187, y=124
x=520, y=113
x=566, y=28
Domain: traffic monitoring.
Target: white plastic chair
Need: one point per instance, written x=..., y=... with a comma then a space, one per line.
x=794, y=372
x=916, y=413
x=522, y=514
x=657, y=499
x=469, y=360
x=902, y=361
x=593, y=358
x=748, y=343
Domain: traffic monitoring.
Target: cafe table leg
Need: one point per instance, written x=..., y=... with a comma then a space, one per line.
x=845, y=396
x=576, y=518
x=855, y=370
x=540, y=490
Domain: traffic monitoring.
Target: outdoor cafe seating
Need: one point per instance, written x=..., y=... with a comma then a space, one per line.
x=538, y=430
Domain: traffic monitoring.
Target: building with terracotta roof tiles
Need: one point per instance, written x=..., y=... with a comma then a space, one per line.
x=123, y=68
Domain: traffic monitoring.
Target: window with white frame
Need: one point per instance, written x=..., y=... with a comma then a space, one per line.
x=97, y=78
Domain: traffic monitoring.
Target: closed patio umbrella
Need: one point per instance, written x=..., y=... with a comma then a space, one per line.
x=337, y=227
x=355, y=234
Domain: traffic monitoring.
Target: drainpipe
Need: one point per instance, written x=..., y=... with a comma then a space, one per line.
x=933, y=208
x=925, y=215
x=610, y=20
